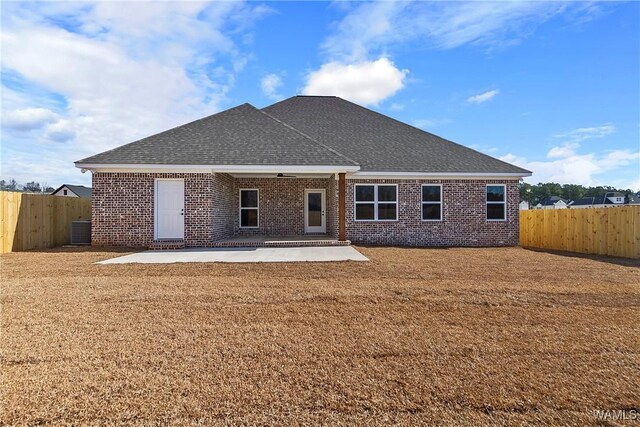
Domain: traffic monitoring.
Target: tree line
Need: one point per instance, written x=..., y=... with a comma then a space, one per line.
x=535, y=193
x=29, y=187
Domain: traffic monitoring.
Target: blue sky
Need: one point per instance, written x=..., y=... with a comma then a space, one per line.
x=553, y=87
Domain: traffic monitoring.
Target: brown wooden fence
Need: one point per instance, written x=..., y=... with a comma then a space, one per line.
x=32, y=221
x=613, y=231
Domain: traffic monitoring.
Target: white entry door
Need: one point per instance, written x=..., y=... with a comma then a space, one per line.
x=314, y=211
x=169, y=209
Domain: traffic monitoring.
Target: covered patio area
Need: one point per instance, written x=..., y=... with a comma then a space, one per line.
x=278, y=209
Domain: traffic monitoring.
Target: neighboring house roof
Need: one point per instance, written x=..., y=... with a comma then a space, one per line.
x=305, y=131
x=549, y=201
x=603, y=199
x=585, y=201
x=242, y=135
x=378, y=142
x=78, y=190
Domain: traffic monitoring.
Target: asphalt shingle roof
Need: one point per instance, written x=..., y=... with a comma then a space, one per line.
x=243, y=135
x=79, y=190
x=378, y=142
x=306, y=131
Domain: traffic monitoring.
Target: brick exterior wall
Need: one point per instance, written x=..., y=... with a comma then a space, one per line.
x=224, y=206
x=464, y=216
x=123, y=210
x=281, y=202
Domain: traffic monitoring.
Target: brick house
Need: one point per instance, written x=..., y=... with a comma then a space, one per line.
x=305, y=166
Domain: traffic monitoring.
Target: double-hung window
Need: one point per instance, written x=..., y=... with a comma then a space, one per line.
x=431, y=202
x=249, y=208
x=376, y=202
x=496, y=202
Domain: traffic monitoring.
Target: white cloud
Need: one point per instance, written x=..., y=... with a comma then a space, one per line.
x=566, y=150
x=483, y=97
x=365, y=82
x=270, y=85
x=60, y=131
x=371, y=28
x=27, y=118
x=430, y=123
x=122, y=73
x=582, y=134
x=574, y=168
x=632, y=185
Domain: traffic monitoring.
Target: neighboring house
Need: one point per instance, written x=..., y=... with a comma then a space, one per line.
x=306, y=165
x=68, y=190
x=553, y=202
x=612, y=198
x=524, y=205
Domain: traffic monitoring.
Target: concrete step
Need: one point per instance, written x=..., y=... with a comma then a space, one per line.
x=166, y=244
x=279, y=243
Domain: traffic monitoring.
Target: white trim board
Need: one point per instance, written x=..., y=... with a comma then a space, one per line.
x=353, y=171
x=274, y=169
x=433, y=175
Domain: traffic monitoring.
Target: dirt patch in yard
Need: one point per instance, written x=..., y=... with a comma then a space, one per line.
x=442, y=336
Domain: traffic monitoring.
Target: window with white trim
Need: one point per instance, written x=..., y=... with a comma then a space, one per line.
x=249, y=208
x=432, y=202
x=376, y=202
x=496, y=202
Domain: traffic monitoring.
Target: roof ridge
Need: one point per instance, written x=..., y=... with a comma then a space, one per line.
x=308, y=137
x=428, y=133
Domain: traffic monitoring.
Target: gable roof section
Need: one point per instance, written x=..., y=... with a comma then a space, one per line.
x=78, y=190
x=378, y=142
x=243, y=135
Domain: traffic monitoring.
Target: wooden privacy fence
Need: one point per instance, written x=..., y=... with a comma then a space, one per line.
x=611, y=231
x=32, y=221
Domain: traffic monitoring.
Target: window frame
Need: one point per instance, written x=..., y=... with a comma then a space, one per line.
x=240, y=208
x=487, y=203
x=422, y=203
x=375, y=203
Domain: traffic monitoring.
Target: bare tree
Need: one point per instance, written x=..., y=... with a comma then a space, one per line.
x=12, y=185
x=33, y=187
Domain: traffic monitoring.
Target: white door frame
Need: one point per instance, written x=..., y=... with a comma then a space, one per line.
x=322, y=228
x=155, y=208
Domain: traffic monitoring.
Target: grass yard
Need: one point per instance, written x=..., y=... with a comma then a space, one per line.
x=442, y=336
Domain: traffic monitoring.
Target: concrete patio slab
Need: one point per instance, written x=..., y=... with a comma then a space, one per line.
x=301, y=254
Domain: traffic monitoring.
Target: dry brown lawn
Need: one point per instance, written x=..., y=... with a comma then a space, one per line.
x=501, y=336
